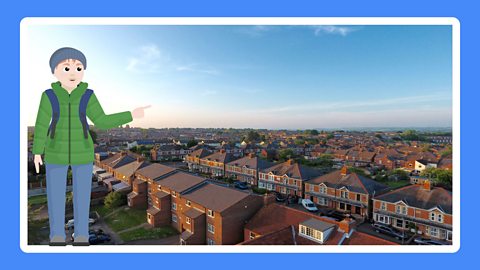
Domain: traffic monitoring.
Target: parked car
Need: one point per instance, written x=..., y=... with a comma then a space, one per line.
x=337, y=214
x=380, y=228
x=426, y=241
x=95, y=237
x=279, y=197
x=240, y=185
x=98, y=238
x=309, y=205
x=71, y=223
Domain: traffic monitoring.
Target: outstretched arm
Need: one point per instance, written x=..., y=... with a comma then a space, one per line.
x=105, y=121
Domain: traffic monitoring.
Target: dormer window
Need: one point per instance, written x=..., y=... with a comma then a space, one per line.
x=383, y=206
x=344, y=194
x=401, y=209
x=323, y=189
x=188, y=203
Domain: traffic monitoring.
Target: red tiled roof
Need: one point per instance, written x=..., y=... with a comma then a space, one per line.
x=359, y=238
x=274, y=217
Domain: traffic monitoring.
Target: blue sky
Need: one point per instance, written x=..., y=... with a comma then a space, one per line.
x=261, y=76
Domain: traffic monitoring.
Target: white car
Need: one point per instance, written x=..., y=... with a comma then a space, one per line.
x=309, y=205
x=70, y=224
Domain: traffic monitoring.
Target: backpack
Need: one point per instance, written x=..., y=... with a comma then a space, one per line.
x=82, y=111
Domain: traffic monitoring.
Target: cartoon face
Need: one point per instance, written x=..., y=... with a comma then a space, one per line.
x=69, y=73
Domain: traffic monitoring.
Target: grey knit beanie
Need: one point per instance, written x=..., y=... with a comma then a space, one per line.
x=67, y=53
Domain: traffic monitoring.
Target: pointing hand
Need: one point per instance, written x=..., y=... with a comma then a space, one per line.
x=139, y=112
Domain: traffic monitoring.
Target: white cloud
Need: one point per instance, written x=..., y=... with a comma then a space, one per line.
x=332, y=30
x=198, y=68
x=148, y=59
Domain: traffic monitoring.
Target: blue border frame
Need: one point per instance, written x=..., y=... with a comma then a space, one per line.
x=11, y=16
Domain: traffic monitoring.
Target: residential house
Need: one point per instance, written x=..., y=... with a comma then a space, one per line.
x=193, y=159
x=215, y=215
x=144, y=178
x=165, y=192
x=169, y=152
x=246, y=169
x=276, y=224
x=287, y=177
x=214, y=164
x=422, y=208
x=345, y=191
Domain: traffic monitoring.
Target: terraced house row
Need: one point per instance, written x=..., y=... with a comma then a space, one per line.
x=418, y=208
x=203, y=212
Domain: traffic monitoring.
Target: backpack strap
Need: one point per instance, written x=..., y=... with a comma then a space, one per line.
x=82, y=111
x=55, y=112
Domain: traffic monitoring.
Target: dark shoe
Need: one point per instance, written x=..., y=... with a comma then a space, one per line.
x=57, y=241
x=81, y=241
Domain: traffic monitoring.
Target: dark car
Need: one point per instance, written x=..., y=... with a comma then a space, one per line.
x=337, y=214
x=279, y=197
x=426, y=241
x=380, y=228
x=98, y=238
x=240, y=185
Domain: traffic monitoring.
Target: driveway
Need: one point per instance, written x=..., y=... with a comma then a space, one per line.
x=368, y=229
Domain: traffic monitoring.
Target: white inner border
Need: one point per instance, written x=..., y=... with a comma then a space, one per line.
x=24, y=93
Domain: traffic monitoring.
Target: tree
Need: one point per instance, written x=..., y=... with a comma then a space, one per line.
x=253, y=136
x=439, y=176
x=285, y=154
x=191, y=143
x=114, y=199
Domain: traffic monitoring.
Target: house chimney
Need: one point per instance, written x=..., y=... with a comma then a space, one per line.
x=344, y=170
x=427, y=185
x=346, y=225
x=290, y=162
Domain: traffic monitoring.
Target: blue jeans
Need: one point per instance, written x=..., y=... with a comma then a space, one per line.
x=56, y=188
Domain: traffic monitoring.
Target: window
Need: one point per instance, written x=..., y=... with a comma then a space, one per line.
x=174, y=218
x=432, y=231
x=312, y=188
x=432, y=216
x=252, y=235
x=358, y=197
x=322, y=201
x=383, y=219
x=271, y=177
x=174, y=194
x=400, y=209
x=189, y=203
x=399, y=223
x=323, y=189
x=261, y=185
x=383, y=206
x=211, y=228
x=285, y=179
x=210, y=241
x=188, y=220
x=344, y=194
x=174, y=206
x=210, y=213
x=440, y=218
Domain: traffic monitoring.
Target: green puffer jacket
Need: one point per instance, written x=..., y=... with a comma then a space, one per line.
x=69, y=145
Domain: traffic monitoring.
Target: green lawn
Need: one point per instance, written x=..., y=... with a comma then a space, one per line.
x=143, y=233
x=37, y=231
x=36, y=200
x=126, y=218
